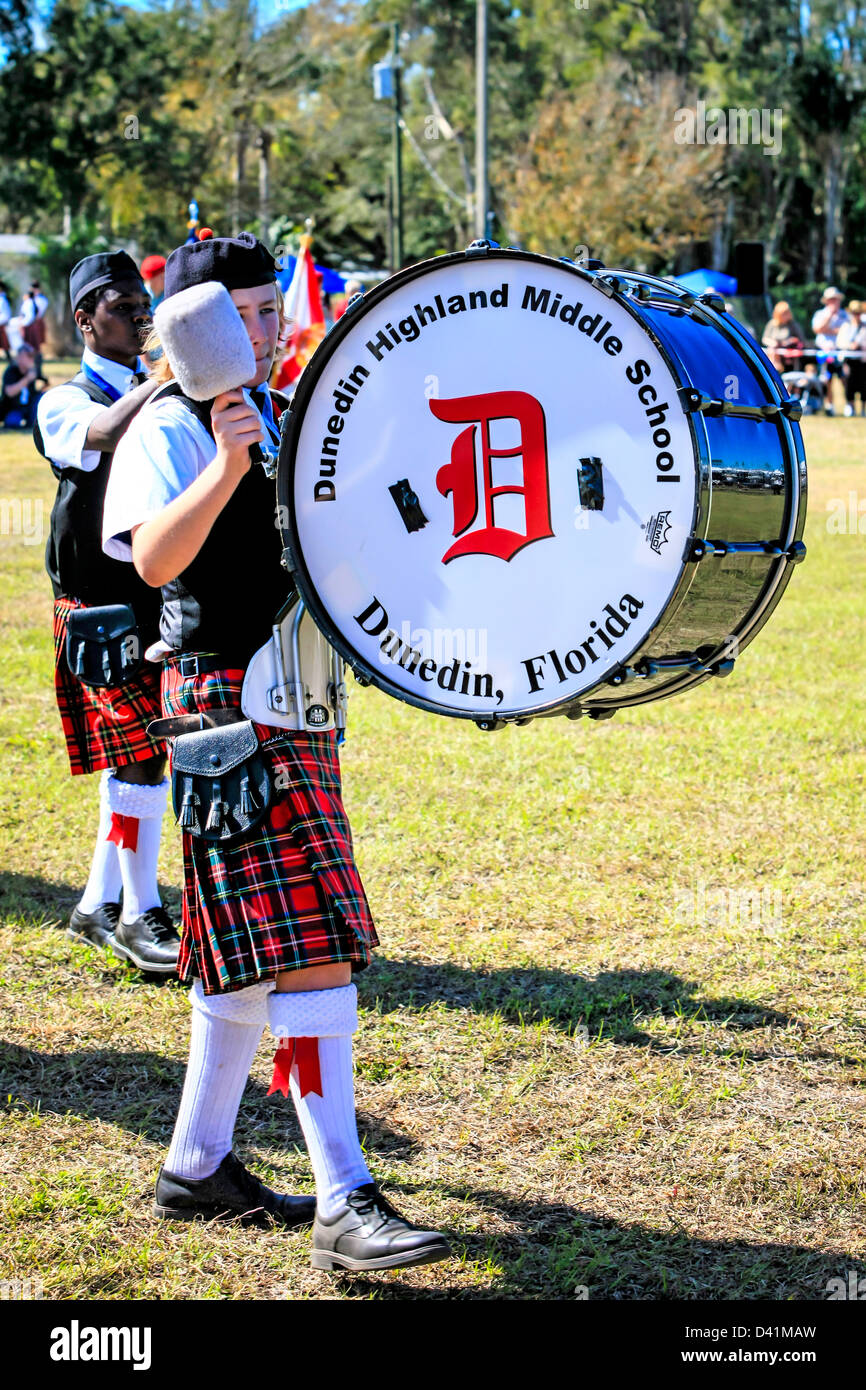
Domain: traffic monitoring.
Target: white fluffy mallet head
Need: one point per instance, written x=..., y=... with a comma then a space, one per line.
x=204, y=339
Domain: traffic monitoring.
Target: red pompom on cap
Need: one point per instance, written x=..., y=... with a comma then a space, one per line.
x=205, y=234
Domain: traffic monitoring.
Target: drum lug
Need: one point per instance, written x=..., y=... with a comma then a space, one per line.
x=792, y=409
x=723, y=668
x=611, y=285
x=287, y=559
x=490, y=725
x=691, y=399
x=712, y=301
x=697, y=550
x=480, y=246
x=621, y=675
x=601, y=713
x=796, y=552
x=360, y=678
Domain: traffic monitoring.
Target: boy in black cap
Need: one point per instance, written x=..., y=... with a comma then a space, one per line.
x=106, y=695
x=275, y=922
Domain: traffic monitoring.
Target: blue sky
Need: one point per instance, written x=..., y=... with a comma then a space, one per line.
x=268, y=9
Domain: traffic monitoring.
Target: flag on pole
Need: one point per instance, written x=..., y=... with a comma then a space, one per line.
x=306, y=318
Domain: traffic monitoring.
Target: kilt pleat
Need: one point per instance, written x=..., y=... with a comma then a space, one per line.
x=288, y=895
x=103, y=728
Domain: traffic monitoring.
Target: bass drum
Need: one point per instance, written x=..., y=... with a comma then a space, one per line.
x=514, y=486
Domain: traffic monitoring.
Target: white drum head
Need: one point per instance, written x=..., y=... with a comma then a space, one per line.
x=442, y=536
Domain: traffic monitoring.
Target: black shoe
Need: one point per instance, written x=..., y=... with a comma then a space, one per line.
x=231, y=1191
x=367, y=1233
x=150, y=942
x=98, y=926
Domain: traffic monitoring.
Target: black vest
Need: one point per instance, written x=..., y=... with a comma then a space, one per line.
x=226, y=601
x=76, y=563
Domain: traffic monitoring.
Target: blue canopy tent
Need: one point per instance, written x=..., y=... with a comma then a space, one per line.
x=332, y=283
x=699, y=281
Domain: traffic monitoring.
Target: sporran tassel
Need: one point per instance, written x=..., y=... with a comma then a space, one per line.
x=249, y=805
x=189, y=809
x=215, y=814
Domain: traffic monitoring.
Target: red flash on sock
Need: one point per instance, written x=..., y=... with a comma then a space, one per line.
x=124, y=831
x=300, y=1055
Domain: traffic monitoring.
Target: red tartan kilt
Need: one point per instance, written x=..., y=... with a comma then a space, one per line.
x=4, y=341
x=289, y=894
x=103, y=728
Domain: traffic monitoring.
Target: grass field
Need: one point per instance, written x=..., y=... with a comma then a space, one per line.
x=613, y=1041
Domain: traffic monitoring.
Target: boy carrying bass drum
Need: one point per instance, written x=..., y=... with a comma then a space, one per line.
x=275, y=919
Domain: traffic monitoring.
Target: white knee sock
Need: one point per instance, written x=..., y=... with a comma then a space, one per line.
x=226, y=1029
x=328, y=1121
x=104, y=883
x=144, y=807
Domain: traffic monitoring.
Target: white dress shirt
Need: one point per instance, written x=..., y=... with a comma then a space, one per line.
x=65, y=413
x=165, y=448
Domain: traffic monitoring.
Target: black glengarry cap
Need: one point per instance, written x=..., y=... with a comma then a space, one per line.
x=99, y=271
x=238, y=262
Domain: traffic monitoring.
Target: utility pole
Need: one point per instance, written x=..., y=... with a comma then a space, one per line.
x=481, y=118
x=387, y=87
x=398, y=152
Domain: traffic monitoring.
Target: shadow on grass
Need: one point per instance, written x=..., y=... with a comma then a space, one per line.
x=563, y=1253
x=610, y=1005
x=140, y=1092
x=549, y=1250
x=43, y=902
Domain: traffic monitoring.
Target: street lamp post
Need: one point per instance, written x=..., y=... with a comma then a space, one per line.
x=387, y=86
x=398, y=153
x=481, y=229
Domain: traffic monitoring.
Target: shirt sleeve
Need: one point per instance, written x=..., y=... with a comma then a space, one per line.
x=65, y=414
x=164, y=449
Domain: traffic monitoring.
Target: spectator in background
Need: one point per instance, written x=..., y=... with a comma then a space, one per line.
x=784, y=339
x=22, y=389
x=826, y=323
x=807, y=387
x=32, y=315
x=153, y=275
x=5, y=316
x=851, y=339
x=352, y=287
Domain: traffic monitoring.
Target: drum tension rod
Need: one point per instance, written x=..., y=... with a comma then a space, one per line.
x=697, y=550
x=689, y=664
x=693, y=400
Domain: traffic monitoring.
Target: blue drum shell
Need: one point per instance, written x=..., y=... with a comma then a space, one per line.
x=752, y=488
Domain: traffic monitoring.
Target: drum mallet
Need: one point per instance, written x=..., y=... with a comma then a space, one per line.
x=207, y=346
